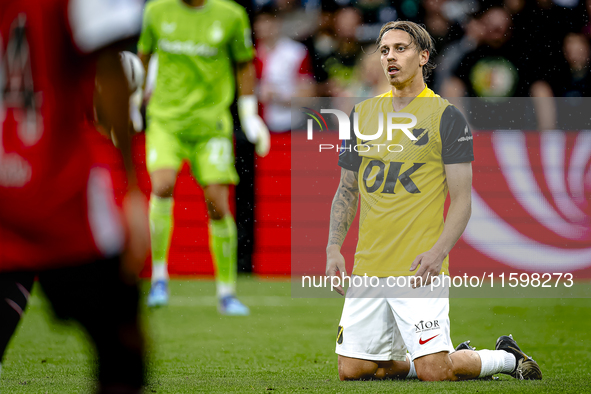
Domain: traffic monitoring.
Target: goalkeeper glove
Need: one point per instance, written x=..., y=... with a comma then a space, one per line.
x=255, y=129
x=135, y=103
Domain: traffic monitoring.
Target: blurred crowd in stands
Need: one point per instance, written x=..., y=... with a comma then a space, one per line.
x=484, y=48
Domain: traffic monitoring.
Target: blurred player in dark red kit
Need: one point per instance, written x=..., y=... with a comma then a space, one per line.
x=58, y=218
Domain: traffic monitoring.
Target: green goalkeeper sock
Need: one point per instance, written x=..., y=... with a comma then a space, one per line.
x=223, y=243
x=160, y=232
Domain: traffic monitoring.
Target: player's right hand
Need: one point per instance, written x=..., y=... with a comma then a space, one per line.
x=335, y=264
x=135, y=213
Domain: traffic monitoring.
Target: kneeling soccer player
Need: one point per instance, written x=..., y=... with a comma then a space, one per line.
x=401, y=227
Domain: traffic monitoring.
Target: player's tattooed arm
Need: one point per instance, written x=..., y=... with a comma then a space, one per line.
x=344, y=207
x=342, y=213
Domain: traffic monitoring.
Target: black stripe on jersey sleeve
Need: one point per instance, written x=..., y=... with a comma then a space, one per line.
x=349, y=159
x=456, y=137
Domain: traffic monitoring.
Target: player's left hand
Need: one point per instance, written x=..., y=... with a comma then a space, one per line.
x=259, y=134
x=430, y=265
x=255, y=129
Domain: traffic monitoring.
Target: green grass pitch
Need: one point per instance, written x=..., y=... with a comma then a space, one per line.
x=287, y=345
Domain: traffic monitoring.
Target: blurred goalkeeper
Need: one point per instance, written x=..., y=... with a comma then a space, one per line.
x=204, y=47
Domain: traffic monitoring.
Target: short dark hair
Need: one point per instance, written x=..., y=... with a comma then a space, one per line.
x=420, y=38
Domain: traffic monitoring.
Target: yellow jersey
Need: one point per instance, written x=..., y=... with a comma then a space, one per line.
x=402, y=183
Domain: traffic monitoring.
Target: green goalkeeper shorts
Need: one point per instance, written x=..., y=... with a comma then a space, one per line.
x=211, y=157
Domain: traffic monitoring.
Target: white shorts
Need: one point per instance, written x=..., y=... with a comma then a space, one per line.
x=382, y=329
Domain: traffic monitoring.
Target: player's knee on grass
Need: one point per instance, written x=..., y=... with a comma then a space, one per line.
x=435, y=367
x=437, y=374
x=216, y=197
x=163, y=182
x=356, y=369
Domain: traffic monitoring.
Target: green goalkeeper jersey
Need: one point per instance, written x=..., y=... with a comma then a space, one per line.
x=196, y=49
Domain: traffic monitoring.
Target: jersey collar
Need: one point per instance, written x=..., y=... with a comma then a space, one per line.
x=189, y=8
x=424, y=93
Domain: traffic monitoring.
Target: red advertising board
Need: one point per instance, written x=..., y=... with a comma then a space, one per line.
x=531, y=208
